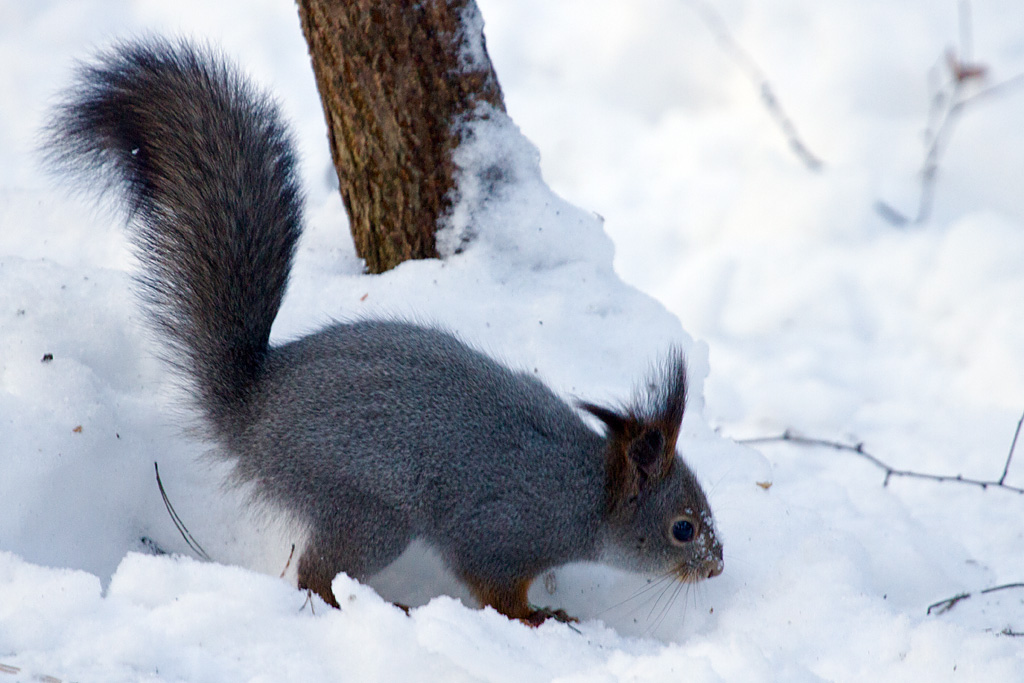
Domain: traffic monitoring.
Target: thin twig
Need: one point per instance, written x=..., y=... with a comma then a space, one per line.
x=180, y=525
x=43, y=678
x=790, y=437
x=948, y=104
x=716, y=24
x=1003, y=587
x=947, y=604
x=289, y=562
x=995, y=89
x=1013, y=446
x=943, y=606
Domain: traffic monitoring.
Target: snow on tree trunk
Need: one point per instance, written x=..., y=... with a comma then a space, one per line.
x=397, y=78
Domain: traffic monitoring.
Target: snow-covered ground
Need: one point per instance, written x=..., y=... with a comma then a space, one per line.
x=811, y=313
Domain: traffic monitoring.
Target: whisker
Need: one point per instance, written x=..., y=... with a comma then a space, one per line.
x=653, y=593
x=652, y=584
x=666, y=610
x=660, y=596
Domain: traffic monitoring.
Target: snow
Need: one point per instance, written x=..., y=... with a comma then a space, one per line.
x=803, y=309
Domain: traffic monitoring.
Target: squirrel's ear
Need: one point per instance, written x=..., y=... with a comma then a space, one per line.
x=639, y=453
x=642, y=442
x=647, y=453
x=638, y=456
x=615, y=423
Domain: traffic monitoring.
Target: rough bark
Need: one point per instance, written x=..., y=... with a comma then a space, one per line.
x=395, y=80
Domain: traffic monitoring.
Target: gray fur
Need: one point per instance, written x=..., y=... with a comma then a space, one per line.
x=372, y=432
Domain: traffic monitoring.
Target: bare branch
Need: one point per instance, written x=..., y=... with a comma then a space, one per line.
x=951, y=97
x=1003, y=587
x=790, y=437
x=943, y=606
x=716, y=24
x=996, y=89
x=1013, y=446
x=43, y=678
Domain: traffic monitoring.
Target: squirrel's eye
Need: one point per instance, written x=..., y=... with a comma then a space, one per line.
x=683, y=530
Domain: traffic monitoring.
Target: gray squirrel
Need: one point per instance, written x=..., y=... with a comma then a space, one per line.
x=374, y=432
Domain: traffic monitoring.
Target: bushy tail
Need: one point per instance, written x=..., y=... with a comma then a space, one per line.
x=206, y=168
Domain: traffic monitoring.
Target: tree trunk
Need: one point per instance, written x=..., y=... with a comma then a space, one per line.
x=395, y=79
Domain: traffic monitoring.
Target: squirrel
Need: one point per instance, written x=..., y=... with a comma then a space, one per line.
x=373, y=432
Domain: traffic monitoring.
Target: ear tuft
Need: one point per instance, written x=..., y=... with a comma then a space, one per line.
x=663, y=405
x=669, y=398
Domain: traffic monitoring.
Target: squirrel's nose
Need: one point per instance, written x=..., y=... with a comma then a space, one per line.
x=717, y=568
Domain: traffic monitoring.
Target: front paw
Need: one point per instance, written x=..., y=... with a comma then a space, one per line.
x=539, y=615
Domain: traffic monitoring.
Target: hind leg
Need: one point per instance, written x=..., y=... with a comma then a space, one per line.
x=354, y=533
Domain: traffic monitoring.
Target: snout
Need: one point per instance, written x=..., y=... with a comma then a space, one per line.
x=716, y=567
x=692, y=572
